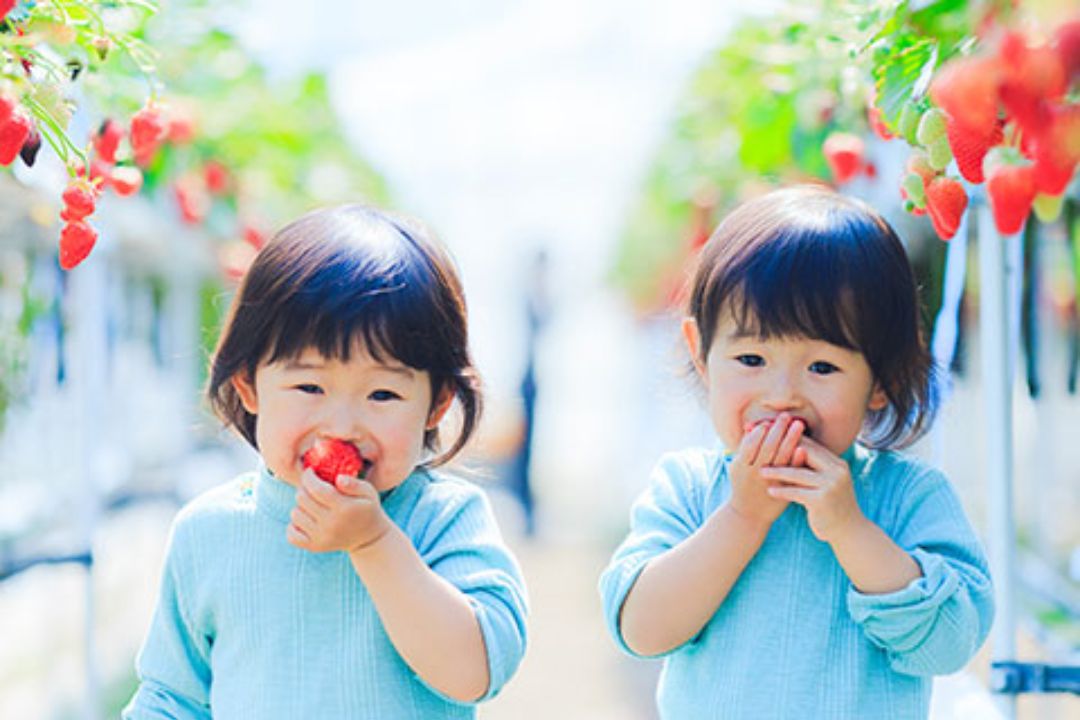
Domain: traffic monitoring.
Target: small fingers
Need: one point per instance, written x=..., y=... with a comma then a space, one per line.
x=785, y=453
x=750, y=445
x=791, y=493
x=297, y=537
x=777, y=430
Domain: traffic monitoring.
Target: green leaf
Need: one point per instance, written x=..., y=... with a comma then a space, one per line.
x=896, y=80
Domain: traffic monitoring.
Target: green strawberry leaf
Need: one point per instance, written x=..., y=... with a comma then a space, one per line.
x=903, y=74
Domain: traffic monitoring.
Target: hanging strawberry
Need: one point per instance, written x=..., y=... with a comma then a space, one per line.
x=1010, y=186
x=107, y=139
x=147, y=133
x=966, y=89
x=76, y=241
x=844, y=154
x=1031, y=78
x=946, y=201
x=126, y=180
x=14, y=131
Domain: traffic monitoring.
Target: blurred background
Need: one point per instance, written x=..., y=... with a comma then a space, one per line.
x=573, y=156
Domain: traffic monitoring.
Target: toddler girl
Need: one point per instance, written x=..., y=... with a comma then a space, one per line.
x=388, y=595
x=805, y=569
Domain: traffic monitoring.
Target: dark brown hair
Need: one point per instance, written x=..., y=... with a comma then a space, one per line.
x=808, y=262
x=340, y=275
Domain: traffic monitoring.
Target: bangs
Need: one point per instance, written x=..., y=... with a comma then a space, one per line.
x=795, y=287
x=336, y=297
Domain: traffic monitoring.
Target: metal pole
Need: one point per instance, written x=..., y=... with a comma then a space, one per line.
x=997, y=270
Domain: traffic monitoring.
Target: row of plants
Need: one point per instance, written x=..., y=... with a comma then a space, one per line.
x=164, y=107
x=983, y=93
x=178, y=109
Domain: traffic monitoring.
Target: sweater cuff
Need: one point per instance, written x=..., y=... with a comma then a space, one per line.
x=899, y=621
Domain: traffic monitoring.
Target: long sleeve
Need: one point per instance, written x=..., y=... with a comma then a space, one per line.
x=462, y=543
x=666, y=514
x=937, y=623
x=173, y=665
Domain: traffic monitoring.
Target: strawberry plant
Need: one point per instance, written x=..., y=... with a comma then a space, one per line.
x=46, y=48
x=1000, y=91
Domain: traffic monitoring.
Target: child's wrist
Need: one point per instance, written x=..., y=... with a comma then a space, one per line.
x=747, y=522
x=371, y=543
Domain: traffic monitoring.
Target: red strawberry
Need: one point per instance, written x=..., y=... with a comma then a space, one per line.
x=107, y=140
x=946, y=201
x=76, y=241
x=253, y=236
x=216, y=177
x=844, y=155
x=969, y=150
x=1010, y=185
x=331, y=458
x=192, y=199
x=79, y=199
x=13, y=134
x=1030, y=79
x=147, y=133
x=7, y=107
x=1057, y=150
x=126, y=180
x=967, y=89
x=1067, y=44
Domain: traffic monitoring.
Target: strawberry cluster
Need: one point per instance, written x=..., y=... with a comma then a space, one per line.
x=77, y=238
x=1005, y=118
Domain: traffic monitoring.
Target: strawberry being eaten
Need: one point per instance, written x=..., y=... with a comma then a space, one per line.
x=333, y=457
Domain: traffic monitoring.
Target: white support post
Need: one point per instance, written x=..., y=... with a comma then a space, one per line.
x=997, y=270
x=87, y=356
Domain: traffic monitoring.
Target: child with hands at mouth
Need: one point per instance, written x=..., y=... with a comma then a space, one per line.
x=805, y=568
x=381, y=589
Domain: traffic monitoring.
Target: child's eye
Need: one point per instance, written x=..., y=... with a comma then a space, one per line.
x=821, y=367
x=750, y=360
x=384, y=396
x=309, y=389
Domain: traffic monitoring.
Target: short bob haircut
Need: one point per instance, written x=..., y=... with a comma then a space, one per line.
x=341, y=275
x=808, y=262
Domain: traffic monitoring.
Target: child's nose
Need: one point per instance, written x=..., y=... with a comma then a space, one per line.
x=345, y=422
x=782, y=393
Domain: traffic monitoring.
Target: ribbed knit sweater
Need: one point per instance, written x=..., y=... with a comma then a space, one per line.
x=793, y=638
x=250, y=626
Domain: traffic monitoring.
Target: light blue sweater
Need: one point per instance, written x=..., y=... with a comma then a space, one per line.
x=249, y=626
x=793, y=638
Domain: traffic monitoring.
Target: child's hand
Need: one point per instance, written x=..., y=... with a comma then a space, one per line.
x=774, y=443
x=823, y=487
x=345, y=516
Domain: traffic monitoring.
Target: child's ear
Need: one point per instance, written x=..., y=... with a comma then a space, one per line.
x=692, y=335
x=439, y=407
x=878, y=399
x=245, y=388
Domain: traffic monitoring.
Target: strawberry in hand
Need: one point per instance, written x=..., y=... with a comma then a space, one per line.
x=331, y=458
